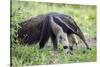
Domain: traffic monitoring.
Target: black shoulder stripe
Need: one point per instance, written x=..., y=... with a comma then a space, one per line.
x=64, y=23
x=69, y=21
x=60, y=22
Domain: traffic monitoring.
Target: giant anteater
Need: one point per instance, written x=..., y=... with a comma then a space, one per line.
x=58, y=26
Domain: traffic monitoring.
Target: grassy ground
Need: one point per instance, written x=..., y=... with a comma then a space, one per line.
x=23, y=54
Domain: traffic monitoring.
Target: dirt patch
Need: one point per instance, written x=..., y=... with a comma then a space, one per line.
x=92, y=41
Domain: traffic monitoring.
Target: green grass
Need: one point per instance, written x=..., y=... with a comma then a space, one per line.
x=22, y=54
x=31, y=55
